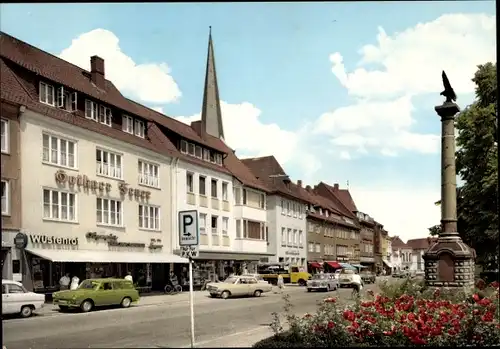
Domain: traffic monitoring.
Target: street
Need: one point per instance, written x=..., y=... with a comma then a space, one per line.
x=158, y=325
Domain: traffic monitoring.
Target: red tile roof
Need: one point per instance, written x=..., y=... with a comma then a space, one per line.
x=422, y=243
x=332, y=194
x=346, y=198
x=397, y=243
x=16, y=53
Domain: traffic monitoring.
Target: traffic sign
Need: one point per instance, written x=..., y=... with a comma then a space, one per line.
x=189, y=251
x=188, y=228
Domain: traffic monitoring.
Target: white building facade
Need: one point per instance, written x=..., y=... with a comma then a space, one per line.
x=96, y=202
x=287, y=226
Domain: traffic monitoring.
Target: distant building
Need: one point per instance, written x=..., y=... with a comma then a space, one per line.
x=419, y=247
x=401, y=255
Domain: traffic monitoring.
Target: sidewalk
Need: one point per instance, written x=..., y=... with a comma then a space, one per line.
x=243, y=339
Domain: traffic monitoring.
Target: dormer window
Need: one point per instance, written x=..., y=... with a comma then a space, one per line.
x=105, y=115
x=46, y=92
x=133, y=126
x=320, y=211
x=97, y=113
x=66, y=100
x=200, y=152
x=91, y=110
x=326, y=213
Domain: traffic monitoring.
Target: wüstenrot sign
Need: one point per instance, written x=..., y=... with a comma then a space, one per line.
x=53, y=240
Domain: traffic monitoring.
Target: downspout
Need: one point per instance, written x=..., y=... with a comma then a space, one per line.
x=173, y=192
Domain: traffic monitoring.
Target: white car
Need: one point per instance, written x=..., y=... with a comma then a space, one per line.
x=17, y=300
x=257, y=276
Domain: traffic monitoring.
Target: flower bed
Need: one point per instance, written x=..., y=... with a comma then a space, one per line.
x=420, y=319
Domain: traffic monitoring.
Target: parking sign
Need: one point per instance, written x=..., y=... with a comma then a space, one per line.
x=188, y=228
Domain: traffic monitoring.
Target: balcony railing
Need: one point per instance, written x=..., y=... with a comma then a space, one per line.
x=150, y=180
x=109, y=170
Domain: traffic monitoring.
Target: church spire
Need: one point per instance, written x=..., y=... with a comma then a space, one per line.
x=211, y=117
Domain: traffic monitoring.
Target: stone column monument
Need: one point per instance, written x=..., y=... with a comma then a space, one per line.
x=449, y=262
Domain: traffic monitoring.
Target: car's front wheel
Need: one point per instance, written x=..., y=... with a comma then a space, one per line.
x=257, y=293
x=225, y=295
x=26, y=311
x=126, y=302
x=87, y=305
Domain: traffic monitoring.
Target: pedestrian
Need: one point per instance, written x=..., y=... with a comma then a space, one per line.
x=358, y=284
x=64, y=282
x=74, y=283
x=281, y=283
x=129, y=277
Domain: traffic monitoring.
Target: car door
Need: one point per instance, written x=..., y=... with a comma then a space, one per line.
x=119, y=291
x=6, y=303
x=16, y=297
x=104, y=294
x=253, y=284
x=240, y=287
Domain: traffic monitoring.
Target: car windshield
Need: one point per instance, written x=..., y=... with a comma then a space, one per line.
x=88, y=285
x=319, y=277
x=231, y=280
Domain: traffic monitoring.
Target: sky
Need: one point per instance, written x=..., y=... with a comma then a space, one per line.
x=340, y=92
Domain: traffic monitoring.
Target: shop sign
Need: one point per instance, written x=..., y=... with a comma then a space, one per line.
x=21, y=240
x=81, y=181
x=53, y=240
x=292, y=252
x=112, y=240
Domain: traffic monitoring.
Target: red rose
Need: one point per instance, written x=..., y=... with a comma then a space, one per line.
x=484, y=302
x=495, y=284
x=331, y=324
x=476, y=297
x=419, y=341
x=411, y=317
x=349, y=315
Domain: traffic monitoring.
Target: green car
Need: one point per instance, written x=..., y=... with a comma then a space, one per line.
x=97, y=292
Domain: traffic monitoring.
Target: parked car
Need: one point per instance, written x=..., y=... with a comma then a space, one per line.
x=324, y=282
x=237, y=286
x=96, y=293
x=368, y=277
x=17, y=300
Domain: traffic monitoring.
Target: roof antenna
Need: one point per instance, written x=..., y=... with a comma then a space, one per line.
x=347, y=184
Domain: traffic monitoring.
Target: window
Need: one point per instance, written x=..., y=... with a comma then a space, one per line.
x=301, y=241
x=15, y=289
x=318, y=248
x=5, y=136
x=59, y=151
x=109, y=212
x=91, y=110
x=288, y=209
x=184, y=146
x=253, y=230
x=149, y=217
x=128, y=124
x=218, y=159
x=212, y=156
x=109, y=164
x=295, y=237
x=294, y=209
x=289, y=236
x=301, y=208
x=244, y=196
x=198, y=152
x=5, y=197
x=66, y=100
x=225, y=225
x=283, y=236
x=237, y=196
x=191, y=148
x=214, y=188
x=238, y=228
x=224, y=191
x=202, y=186
x=283, y=207
x=214, y=225
x=139, y=128
x=59, y=205
x=206, y=155
x=310, y=247
x=189, y=182
x=148, y=174
x=203, y=223
x=47, y=94
x=105, y=115
x=262, y=201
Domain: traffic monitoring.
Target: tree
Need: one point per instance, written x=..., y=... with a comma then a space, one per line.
x=477, y=165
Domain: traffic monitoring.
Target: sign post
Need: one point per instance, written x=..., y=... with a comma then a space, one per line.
x=189, y=240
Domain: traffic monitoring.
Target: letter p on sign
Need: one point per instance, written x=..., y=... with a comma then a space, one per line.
x=188, y=228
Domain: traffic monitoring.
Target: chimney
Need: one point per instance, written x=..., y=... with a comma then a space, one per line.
x=196, y=125
x=308, y=188
x=336, y=186
x=97, y=71
x=299, y=183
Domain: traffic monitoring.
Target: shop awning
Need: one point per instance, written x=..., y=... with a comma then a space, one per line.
x=334, y=264
x=346, y=266
x=315, y=265
x=386, y=262
x=93, y=256
x=359, y=266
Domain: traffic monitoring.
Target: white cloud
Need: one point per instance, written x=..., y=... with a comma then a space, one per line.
x=344, y=155
x=149, y=82
x=403, y=211
x=158, y=109
x=410, y=64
